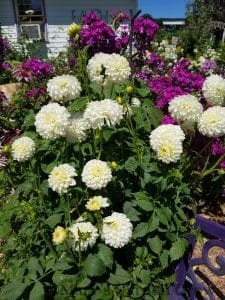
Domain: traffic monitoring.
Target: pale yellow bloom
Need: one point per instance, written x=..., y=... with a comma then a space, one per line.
x=59, y=235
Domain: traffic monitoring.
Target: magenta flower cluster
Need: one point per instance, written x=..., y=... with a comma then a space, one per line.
x=96, y=34
x=4, y=50
x=33, y=69
x=144, y=31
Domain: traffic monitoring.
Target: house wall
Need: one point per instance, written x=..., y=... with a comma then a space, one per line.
x=60, y=14
x=7, y=20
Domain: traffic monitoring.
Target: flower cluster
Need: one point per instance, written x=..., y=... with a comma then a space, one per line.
x=64, y=88
x=52, y=120
x=167, y=140
x=61, y=178
x=105, y=112
x=23, y=148
x=214, y=90
x=105, y=68
x=33, y=69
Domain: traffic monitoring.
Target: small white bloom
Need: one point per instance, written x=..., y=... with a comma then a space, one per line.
x=52, y=120
x=96, y=203
x=117, y=230
x=23, y=148
x=99, y=113
x=135, y=102
x=166, y=141
x=84, y=235
x=61, y=178
x=96, y=174
x=212, y=122
x=76, y=131
x=64, y=88
x=185, y=108
x=214, y=90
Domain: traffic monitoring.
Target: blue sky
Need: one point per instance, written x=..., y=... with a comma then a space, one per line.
x=163, y=8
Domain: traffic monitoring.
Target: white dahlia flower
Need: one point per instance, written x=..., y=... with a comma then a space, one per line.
x=166, y=131
x=84, y=235
x=105, y=68
x=99, y=113
x=96, y=174
x=212, y=122
x=214, y=90
x=185, y=108
x=76, y=131
x=61, y=178
x=64, y=88
x=166, y=141
x=96, y=203
x=23, y=148
x=96, y=67
x=117, y=68
x=52, y=120
x=116, y=230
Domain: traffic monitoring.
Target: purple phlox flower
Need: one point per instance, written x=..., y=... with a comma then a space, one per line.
x=72, y=62
x=167, y=119
x=99, y=36
x=90, y=18
x=5, y=66
x=208, y=65
x=167, y=95
x=155, y=61
x=144, y=75
x=217, y=147
x=3, y=98
x=159, y=84
x=36, y=91
x=222, y=164
x=144, y=31
x=187, y=80
x=9, y=135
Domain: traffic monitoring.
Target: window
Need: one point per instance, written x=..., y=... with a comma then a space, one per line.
x=31, y=18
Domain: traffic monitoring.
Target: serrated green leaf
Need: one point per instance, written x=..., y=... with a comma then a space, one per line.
x=155, y=244
x=37, y=293
x=106, y=255
x=164, y=258
x=78, y=104
x=120, y=277
x=53, y=220
x=140, y=230
x=94, y=266
x=145, y=205
x=131, y=212
x=153, y=223
x=13, y=290
x=178, y=248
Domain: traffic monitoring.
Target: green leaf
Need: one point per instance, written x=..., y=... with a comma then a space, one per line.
x=163, y=216
x=131, y=164
x=145, y=205
x=96, y=87
x=163, y=258
x=47, y=168
x=13, y=290
x=140, y=230
x=143, y=91
x=120, y=277
x=94, y=266
x=83, y=282
x=178, y=248
x=131, y=212
x=53, y=220
x=78, y=104
x=106, y=255
x=155, y=244
x=153, y=223
x=5, y=227
x=37, y=293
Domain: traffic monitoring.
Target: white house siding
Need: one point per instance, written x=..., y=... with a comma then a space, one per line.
x=7, y=20
x=67, y=11
x=59, y=15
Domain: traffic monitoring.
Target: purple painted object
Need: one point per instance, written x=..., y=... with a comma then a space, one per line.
x=187, y=285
